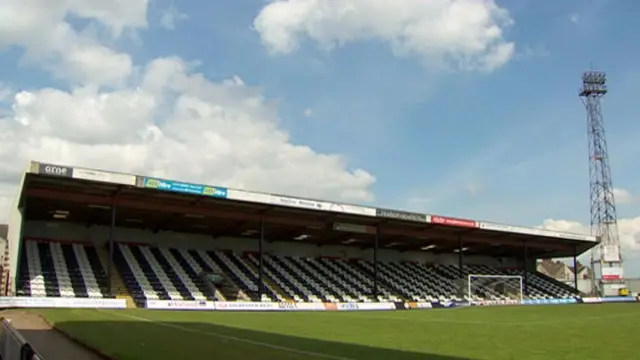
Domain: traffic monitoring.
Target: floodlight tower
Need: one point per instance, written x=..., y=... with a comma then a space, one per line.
x=606, y=257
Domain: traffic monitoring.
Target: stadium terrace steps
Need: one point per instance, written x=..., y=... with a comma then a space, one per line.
x=267, y=280
x=236, y=284
x=386, y=290
x=188, y=274
x=271, y=278
x=118, y=287
x=201, y=267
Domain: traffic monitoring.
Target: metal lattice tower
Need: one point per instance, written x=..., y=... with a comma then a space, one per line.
x=606, y=258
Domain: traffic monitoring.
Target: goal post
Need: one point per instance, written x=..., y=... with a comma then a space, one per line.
x=495, y=289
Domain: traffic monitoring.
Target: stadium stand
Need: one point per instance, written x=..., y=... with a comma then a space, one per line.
x=54, y=269
x=72, y=245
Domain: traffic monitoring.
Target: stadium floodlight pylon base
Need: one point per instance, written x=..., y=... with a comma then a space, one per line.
x=483, y=289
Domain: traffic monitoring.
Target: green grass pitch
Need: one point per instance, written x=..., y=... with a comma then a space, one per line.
x=494, y=333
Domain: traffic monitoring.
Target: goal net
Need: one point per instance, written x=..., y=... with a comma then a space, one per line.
x=494, y=289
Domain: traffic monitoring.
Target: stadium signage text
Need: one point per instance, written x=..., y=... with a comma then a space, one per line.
x=354, y=228
x=419, y=305
x=300, y=203
x=592, y=300
x=442, y=220
x=103, y=176
x=186, y=188
x=55, y=170
x=619, y=299
x=53, y=302
x=180, y=304
x=612, y=274
x=262, y=306
x=243, y=195
x=401, y=215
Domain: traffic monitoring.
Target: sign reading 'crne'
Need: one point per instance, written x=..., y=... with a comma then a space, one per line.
x=55, y=170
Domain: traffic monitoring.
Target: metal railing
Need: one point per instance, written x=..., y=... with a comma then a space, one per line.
x=15, y=347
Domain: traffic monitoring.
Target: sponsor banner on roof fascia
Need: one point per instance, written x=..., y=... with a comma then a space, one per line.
x=320, y=205
x=251, y=196
x=52, y=302
x=449, y=221
x=401, y=215
x=513, y=229
x=180, y=304
x=104, y=176
x=55, y=170
x=352, y=209
x=533, y=231
x=186, y=188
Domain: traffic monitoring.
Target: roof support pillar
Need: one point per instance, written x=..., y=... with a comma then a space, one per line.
x=525, y=256
x=461, y=257
x=575, y=267
x=10, y=285
x=261, y=261
x=376, y=244
x=111, y=249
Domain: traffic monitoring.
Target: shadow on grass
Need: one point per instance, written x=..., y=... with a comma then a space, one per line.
x=129, y=340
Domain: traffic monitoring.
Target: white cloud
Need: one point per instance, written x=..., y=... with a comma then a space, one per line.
x=467, y=34
x=474, y=188
x=623, y=196
x=40, y=27
x=628, y=229
x=169, y=122
x=308, y=112
x=171, y=16
x=5, y=92
x=574, y=18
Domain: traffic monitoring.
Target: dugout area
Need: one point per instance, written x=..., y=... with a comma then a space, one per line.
x=50, y=198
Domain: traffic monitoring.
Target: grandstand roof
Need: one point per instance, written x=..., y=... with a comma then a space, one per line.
x=83, y=195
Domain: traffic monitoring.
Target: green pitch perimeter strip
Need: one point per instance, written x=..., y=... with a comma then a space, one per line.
x=580, y=332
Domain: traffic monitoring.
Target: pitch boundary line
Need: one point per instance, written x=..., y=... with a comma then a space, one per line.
x=516, y=323
x=232, y=338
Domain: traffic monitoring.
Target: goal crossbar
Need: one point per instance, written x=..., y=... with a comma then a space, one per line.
x=498, y=278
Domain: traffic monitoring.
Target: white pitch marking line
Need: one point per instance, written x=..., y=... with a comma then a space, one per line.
x=233, y=338
x=518, y=323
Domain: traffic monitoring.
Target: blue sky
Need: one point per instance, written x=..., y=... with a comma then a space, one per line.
x=506, y=145
x=517, y=135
